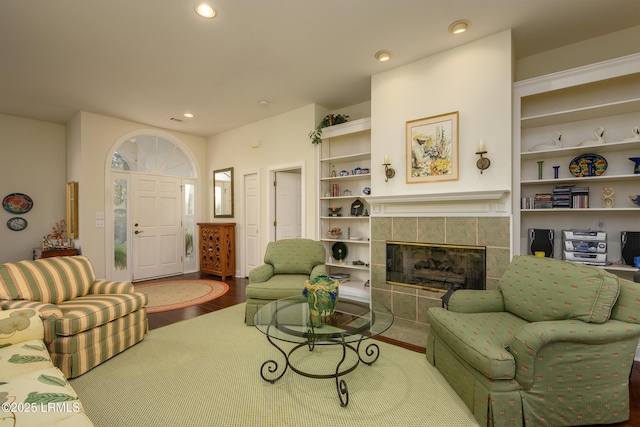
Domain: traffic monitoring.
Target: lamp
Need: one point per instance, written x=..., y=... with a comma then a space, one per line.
x=481, y=149
x=388, y=171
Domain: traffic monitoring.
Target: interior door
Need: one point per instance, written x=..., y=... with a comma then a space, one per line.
x=251, y=222
x=157, y=231
x=288, y=201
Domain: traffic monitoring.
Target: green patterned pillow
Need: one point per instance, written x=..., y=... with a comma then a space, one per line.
x=538, y=289
x=19, y=325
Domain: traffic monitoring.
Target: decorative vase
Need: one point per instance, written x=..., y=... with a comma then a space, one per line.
x=636, y=167
x=322, y=296
x=540, y=169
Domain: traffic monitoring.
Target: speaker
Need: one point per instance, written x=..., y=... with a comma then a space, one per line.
x=630, y=246
x=541, y=240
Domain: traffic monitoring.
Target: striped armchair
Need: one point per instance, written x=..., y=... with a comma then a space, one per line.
x=86, y=321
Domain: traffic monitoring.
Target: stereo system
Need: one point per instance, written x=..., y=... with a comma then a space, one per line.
x=541, y=240
x=630, y=246
x=585, y=246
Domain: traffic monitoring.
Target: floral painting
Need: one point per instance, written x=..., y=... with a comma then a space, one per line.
x=432, y=149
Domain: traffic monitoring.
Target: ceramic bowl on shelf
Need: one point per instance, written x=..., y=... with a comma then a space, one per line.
x=335, y=209
x=635, y=198
x=335, y=234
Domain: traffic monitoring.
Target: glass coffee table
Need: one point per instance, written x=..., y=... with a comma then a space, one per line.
x=353, y=322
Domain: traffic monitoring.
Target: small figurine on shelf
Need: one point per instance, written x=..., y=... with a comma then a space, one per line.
x=554, y=144
x=599, y=133
x=636, y=135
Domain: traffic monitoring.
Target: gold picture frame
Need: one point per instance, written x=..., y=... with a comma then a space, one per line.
x=432, y=149
x=72, y=210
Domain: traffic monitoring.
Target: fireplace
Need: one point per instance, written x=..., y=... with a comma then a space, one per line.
x=435, y=267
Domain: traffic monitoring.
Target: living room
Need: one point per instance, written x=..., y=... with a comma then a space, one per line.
x=476, y=79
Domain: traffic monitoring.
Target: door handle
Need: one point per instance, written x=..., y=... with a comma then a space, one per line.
x=138, y=232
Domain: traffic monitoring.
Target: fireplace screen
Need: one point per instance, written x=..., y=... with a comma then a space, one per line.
x=436, y=266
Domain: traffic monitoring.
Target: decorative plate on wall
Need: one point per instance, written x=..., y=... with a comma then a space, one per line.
x=17, y=203
x=588, y=165
x=17, y=224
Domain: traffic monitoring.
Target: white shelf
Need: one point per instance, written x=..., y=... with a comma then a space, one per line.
x=606, y=92
x=580, y=210
x=347, y=177
x=582, y=180
x=362, y=241
x=348, y=266
x=584, y=113
x=345, y=217
x=348, y=158
x=346, y=128
x=345, y=147
x=609, y=147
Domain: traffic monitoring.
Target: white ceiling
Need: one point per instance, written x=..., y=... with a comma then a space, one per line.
x=150, y=60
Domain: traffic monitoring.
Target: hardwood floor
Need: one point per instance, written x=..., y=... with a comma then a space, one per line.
x=236, y=295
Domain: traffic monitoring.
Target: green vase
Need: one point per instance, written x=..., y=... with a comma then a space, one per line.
x=322, y=297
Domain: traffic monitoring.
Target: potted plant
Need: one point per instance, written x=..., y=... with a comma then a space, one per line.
x=329, y=120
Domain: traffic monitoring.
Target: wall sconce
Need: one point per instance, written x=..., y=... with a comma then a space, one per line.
x=388, y=172
x=481, y=149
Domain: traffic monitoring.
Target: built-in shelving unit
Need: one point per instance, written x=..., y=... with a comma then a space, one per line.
x=575, y=103
x=346, y=150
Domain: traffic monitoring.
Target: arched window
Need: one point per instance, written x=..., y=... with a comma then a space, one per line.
x=151, y=154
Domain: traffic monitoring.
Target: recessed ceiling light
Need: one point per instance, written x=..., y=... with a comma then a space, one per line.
x=188, y=115
x=459, y=26
x=204, y=10
x=383, y=55
x=264, y=103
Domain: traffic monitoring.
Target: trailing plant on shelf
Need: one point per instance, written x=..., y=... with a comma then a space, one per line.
x=329, y=120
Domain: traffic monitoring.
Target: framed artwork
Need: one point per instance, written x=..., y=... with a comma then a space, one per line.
x=432, y=149
x=72, y=210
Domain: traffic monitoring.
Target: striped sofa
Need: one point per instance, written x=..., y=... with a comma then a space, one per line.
x=86, y=321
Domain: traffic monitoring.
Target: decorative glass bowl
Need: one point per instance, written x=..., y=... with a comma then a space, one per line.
x=335, y=234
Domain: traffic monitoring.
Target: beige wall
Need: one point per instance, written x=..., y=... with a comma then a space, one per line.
x=608, y=46
x=92, y=137
x=475, y=80
x=283, y=142
x=33, y=163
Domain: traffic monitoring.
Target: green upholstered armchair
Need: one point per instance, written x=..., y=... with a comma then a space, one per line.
x=554, y=345
x=287, y=265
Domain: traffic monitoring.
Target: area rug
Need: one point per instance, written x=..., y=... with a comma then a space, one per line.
x=173, y=295
x=206, y=372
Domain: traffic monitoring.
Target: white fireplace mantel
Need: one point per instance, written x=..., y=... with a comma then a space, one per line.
x=481, y=202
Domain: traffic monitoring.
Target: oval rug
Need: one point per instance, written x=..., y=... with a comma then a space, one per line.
x=176, y=294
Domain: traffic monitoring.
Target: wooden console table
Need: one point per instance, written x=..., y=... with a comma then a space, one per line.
x=218, y=248
x=50, y=253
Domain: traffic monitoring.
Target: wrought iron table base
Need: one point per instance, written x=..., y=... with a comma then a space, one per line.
x=372, y=352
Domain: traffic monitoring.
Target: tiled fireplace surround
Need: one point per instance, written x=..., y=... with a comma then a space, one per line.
x=410, y=305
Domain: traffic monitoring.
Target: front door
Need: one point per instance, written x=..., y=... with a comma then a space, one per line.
x=157, y=230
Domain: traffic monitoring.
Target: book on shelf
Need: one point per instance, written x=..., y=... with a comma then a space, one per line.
x=340, y=277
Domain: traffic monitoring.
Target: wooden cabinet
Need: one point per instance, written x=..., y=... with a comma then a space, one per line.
x=218, y=248
x=574, y=103
x=38, y=253
x=344, y=183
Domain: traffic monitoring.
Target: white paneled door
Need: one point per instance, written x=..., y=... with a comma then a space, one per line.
x=288, y=198
x=157, y=230
x=251, y=222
